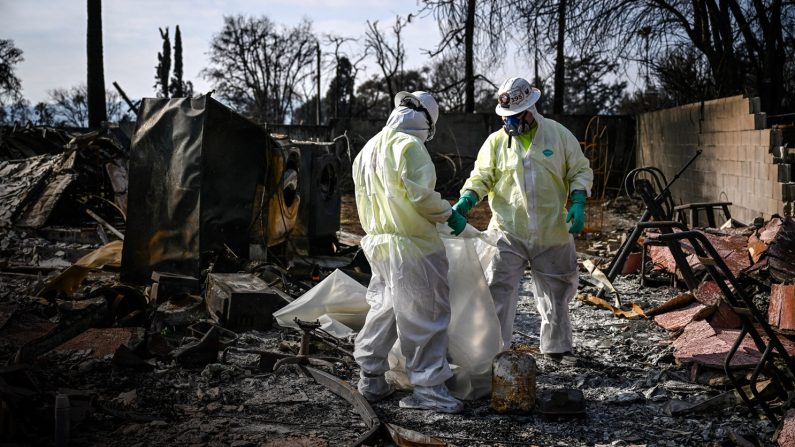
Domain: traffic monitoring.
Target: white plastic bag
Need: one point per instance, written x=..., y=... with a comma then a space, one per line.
x=474, y=330
x=338, y=302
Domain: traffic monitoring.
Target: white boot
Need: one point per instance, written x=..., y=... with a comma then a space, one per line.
x=373, y=387
x=434, y=398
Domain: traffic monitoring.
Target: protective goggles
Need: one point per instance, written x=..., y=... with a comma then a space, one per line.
x=413, y=104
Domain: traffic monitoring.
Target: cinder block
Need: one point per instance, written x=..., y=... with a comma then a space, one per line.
x=754, y=104
x=760, y=120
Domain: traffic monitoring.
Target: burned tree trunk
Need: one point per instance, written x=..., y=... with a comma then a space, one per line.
x=97, y=111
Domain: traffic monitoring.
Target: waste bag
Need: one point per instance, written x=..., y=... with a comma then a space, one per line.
x=339, y=303
x=474, y=330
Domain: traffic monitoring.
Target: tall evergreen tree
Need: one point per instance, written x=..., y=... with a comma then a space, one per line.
x=179, y=88
x=163, y=66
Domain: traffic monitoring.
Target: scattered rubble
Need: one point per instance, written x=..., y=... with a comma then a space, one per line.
x=188, y=353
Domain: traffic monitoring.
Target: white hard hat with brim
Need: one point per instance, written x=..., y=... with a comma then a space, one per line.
x=515, y=96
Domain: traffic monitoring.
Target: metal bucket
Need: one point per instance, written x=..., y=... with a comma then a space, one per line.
x=513, y=382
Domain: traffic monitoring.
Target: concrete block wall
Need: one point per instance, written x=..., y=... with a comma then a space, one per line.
x=735, y=165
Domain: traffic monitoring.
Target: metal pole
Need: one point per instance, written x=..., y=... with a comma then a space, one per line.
x=317, y=104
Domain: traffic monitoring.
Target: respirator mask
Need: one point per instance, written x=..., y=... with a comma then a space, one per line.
x=516, y=125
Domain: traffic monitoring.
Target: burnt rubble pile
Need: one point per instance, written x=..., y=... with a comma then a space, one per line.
x=151, y=321
x=71, y=177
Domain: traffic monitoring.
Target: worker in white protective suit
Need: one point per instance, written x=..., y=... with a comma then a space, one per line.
x=528, y=169
x=394, y=180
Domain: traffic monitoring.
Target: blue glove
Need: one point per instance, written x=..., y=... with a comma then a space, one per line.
x=467, y=201
x=457, y=222
x=577, y=211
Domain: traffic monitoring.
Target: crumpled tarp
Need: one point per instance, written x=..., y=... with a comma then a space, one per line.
x=337, y=302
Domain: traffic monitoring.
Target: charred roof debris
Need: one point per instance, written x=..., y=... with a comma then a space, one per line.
x=196, y=280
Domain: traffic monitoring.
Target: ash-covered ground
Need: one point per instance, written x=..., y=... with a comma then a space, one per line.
x=625, y=369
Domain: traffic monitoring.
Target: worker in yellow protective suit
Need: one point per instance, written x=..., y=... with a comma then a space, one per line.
x=394, y=180
x=528, y=169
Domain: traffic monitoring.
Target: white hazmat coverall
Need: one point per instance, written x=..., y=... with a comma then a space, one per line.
x=527, y=190
x=394, y=180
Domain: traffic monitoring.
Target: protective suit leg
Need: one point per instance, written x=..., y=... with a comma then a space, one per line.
x=422, y=309
x=409, y=299
x=555, y=277
x=503, y=276
x=375, y=339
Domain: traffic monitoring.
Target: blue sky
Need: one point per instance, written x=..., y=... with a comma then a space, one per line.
x=51, y=33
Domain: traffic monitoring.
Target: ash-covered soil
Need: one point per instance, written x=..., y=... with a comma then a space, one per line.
x=625, y=368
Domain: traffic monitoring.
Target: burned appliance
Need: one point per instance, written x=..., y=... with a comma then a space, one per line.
x=243, y=301
x=204, y=180
x=319, y=211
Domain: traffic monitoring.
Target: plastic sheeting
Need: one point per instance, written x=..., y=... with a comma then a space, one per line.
x=338, y=302
x=474, y=329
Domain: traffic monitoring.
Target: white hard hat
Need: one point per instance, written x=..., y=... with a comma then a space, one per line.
x=514, y=96
x=423, y=98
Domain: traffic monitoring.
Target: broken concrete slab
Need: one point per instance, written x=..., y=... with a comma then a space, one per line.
x=709, y=293
x=781, y=254
x=769, y=231
x=732, y=248
x=76, y=317
x=785, y=436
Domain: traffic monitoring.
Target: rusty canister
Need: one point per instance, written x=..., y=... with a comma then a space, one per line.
x=513, y=382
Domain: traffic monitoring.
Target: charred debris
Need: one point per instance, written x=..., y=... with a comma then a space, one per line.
x=140, y=270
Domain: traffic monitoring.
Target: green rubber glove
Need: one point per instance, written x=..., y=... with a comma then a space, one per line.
x=577, y=211
x=467, y=201
x=457, y=222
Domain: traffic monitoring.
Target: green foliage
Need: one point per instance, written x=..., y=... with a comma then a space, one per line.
x=338, y=102
x=163, y=66
x=178, y=87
